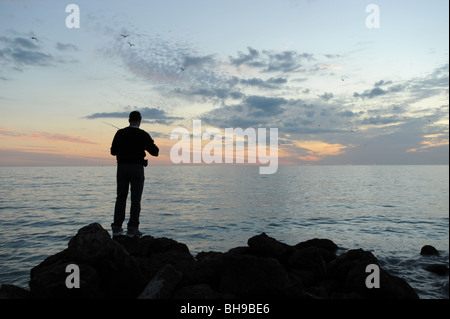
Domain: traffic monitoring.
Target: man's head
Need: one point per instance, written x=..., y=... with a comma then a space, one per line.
x=135, y=118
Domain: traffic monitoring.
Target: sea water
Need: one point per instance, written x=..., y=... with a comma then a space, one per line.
x=391, y=211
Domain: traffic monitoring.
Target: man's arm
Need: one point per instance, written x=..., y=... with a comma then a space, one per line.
x=151, y=147
x=115, y=145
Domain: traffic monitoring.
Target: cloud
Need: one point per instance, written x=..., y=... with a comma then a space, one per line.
x=326, y=96
x=378, y=91
x=18, y=52
x=380, y=120
x=262, y=88
x=249, y=59
x=272, y=61
x=66, y=47
x=349, y=114
x=37, y=157
x=197, y=61
x=265, y=106
x=149, y=115
x=272, y=83
x=382, y=82
x=21, y=51
x=419, y=88
x=52, y=137
x=31, y=57
x=253, y=111
x=310, y=158
x=320, y=148
x=435, y=83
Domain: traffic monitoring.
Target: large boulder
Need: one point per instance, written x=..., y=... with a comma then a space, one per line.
x=351, y=272
x=248, y=276
x=13, y=292
x=152, y=254
x=308, y=264
x=106, y=269
x=318, y=243
x=265, y=246
x=163, y=284
x=429, y=250
x=439, y=269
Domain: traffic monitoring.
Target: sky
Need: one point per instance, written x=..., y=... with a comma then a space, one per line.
x=344, y=83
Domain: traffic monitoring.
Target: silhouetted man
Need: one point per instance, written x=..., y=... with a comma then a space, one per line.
x=129, y=146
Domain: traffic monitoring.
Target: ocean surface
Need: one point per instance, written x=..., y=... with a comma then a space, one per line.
x=391, y=211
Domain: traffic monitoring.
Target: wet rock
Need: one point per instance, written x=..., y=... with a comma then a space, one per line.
x=164, y=268
x=318, y=243
x=429, y=250
x=324, y=247
x=48, y=279
x=106, y=269
x=265, y=246
x=310, y=261
x=350, y=270
x=117, y=270
x=206, y=270
x=163, y=284
x=13, y=292
x=249, y=276
x=439, y=269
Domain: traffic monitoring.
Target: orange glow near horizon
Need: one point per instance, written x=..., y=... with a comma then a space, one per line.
x=319, y=148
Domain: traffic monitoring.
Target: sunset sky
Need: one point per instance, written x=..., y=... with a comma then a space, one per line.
x=338, y=91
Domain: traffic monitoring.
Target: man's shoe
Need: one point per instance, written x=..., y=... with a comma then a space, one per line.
x=117, y=231
x=133, y=232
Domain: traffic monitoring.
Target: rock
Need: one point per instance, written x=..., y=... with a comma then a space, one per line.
x=241, y=250
x=343, y=264
x=265, y=246
x=324, y=247
x=439, y=269
x=162, y=268
x=13, y=292
x=309, y=259
x=206, y=270
x=319, y=243
x=249, y=276
x=152, y=254
x=349, y=269
x=48, y=279
x=147, y=246
x=106, y=269
x=429, y=250
x=163, y=284
x=118, y=271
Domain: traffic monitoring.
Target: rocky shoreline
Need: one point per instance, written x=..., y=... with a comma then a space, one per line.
x=162, y=268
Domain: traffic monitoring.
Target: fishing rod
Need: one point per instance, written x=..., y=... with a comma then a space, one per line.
x=111, y=125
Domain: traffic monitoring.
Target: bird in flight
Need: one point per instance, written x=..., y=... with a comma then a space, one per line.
x=124, y=35
x=34, y=38
x=182, y=69
x=131, y=44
